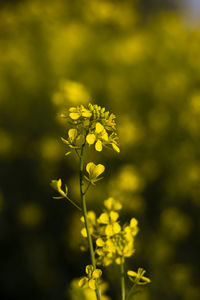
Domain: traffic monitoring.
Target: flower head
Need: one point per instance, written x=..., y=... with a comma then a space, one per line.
x=99, y=136
x=91, y=124
x=57, y=184
x=76, y=113
x=94, y=171
x=75, y=140
x=91, y=279
x=137, y=277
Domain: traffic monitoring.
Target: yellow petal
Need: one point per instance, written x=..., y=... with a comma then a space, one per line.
x=89, y=269
x=92, y=217
x=118, y=260
x=98, y=146
x=115, y=147
x=72, y=133
x=100, y=243
x=82, y=219
x=114, y=216
x=84, y=232
x=104, y=136
x=56, y=184
x=67, y=153
x=99, y=169
x=65, y=141
x=103, y=219
x=92, y=284
x=83, y=282
x=99, y=127
x=90, y=167
x=90, y=138
x=97, y=273
x=80, y=140
x=75, y=115
x=109, y=230
x=72, y=109
x=86, y=113
x=132, y=273
x=116, y=228
x=110, y=247
x=145, y=280
x=133, y=222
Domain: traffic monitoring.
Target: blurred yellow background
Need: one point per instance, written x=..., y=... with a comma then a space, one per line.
x=139, y=59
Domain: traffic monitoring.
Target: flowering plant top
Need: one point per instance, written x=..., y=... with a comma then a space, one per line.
x=91, y=125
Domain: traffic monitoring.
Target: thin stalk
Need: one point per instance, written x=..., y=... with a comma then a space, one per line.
x=131, y=291
x=87, y=188
x=122, y=279
x=84, y=211
x=73, y=203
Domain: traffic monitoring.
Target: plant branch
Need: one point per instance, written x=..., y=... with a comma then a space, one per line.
x=84, y=211
x=87, y=188
x=73, y=203
x=123, y=279
x=131, y=291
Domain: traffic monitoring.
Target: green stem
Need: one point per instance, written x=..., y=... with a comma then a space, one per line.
x=84, y=210
x=131, y=291
x=73, y=203
x=123, y=279
x=87, y=188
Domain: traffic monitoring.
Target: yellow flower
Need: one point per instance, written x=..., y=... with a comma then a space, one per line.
x=75, y=140
x=56, y=184
x=109, y=219
x=99, y=136
x=132, y=229
x=91, y=279
x=76, y=113
x=112, y=204
x=92, y=222
x=94, y=171
x=138, y=277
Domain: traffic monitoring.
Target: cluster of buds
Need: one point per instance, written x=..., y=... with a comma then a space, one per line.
x=92, y=125
x=113, y=242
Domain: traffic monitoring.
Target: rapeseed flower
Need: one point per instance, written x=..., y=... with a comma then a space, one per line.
x=137, y=277
x=94, y=171
x=75, y=140
x=91, y=279
x=92, y=222
x=92, y=125
x=99, y=137
x=57, y=184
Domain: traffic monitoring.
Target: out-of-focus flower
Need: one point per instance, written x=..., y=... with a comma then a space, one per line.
x=86, y=293
x=91, y=279
x=112, y=204
x=137, y=277
x=110, y=220
x=92, y=222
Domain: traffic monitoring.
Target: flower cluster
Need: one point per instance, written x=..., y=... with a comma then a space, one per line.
x=113, y=241
x=91, y=279
x=92, y=125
